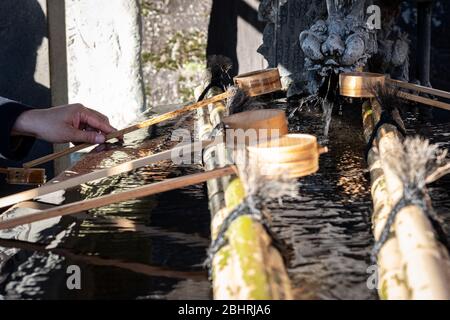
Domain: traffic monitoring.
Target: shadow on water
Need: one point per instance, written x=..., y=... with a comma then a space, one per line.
x=223, y=28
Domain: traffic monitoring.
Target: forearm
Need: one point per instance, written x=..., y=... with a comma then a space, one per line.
x=26, y=124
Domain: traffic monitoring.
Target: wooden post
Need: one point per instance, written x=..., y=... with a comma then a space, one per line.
x=56, y=12
x=424, y=9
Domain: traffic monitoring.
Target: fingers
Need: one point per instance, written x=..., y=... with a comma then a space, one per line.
x=85, y=136
x=105, y=118
x=93, y=119
x=90, y=126
x=100, y=115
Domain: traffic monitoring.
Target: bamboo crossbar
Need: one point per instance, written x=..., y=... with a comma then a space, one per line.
x=117, y=134
x=427, y=101
x=249, y=267
x=419, y=88
x=99, y=174
x=135, y=193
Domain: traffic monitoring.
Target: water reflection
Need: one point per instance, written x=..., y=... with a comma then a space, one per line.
x=329, y=230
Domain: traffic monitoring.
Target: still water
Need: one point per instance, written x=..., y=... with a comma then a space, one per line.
x=154, y=248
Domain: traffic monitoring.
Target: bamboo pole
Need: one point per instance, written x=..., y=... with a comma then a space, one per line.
x=419, y=88
x=213, y=156
x=391, y=277
x=248, y=267
x=425, y=261
x=135, y=193
x=99, y=174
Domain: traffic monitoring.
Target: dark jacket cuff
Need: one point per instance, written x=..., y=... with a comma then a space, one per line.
x=13, y=147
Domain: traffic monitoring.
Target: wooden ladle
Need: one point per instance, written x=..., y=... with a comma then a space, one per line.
x=293, y=155
x=361, y=84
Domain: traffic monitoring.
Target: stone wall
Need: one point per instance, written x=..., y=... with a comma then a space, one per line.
x=174, y=48
x=178, y=35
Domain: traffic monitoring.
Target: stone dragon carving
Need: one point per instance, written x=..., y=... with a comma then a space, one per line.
x=334, y=37
x=341, y=43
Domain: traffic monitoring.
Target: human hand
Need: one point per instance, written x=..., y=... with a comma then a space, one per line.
x=69, y=123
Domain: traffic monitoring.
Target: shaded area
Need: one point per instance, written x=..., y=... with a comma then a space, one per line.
x=223, y=31
x=440, y=46
x=23, y=26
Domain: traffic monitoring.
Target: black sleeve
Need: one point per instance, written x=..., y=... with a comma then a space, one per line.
x=12, y=147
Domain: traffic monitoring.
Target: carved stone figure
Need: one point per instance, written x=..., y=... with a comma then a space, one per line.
x=341, y=43
x=308, y=40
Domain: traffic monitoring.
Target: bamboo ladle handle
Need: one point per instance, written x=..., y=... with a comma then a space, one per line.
x=422, y=89
x=117, y=134
x=427, y=101
x=359, y=84
x=419, y=88
x=98, y=174
x=135, y=193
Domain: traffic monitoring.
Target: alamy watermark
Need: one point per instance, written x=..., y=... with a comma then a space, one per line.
x=374, y=19
x=73, y=281
x=372, y=282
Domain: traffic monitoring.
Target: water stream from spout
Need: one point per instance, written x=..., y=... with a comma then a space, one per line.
x=327, y=107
